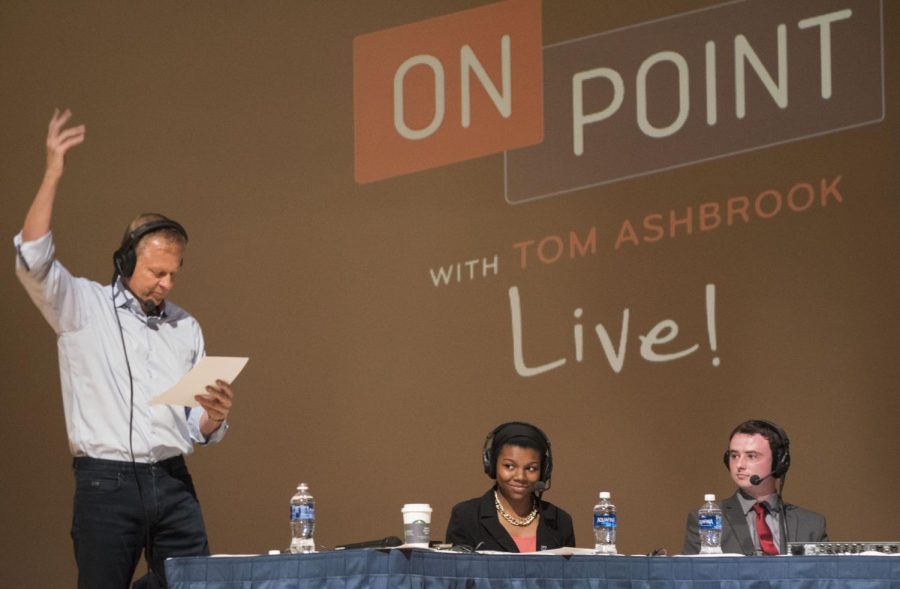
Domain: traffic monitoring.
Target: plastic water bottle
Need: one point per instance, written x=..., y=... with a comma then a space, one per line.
x=605, y=525
x=710, y=517
x=303, y=520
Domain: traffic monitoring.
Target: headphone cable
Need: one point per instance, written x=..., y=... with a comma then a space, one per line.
x=147, y=545
x=783, y=518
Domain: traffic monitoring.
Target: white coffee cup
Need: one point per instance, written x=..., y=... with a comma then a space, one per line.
x=416, y=524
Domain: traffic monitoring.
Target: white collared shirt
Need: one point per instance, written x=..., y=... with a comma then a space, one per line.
x=96, y=386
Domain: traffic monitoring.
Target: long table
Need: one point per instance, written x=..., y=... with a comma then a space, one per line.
x=430, y=569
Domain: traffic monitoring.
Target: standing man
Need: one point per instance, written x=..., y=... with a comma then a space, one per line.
x=119, y=346
x=758, y=456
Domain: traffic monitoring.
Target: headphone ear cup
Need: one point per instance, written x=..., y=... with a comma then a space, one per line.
x=548, y=462
x=781, y=460
x=124, y=260
x=783, y=463
x=786, y=460
x=547, y=471
x=487, y=456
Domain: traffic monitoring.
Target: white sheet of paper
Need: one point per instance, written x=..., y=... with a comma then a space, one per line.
x=205, y=372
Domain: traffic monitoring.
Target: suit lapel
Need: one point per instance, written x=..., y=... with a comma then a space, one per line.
x=487, y=516
x=546, y=530
x=736, y=533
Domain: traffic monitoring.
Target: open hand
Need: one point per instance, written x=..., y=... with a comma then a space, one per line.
x=60, y=140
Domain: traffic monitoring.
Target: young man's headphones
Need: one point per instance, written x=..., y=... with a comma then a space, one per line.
x=778, y=440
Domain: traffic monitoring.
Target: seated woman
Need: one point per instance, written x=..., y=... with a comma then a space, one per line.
x=511, y=517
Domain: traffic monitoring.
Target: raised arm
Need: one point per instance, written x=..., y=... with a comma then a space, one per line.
x=59, y=141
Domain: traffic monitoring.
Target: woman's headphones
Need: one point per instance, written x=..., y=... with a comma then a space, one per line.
x=488, y=453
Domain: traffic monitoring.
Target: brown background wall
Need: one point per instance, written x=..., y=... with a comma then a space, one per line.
x=365, y=380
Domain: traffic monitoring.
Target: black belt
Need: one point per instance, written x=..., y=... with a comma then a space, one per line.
x=168, y=465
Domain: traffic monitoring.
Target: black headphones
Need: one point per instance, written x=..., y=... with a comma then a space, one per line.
x=489, y=459
x=779, y=443
x=125, y=258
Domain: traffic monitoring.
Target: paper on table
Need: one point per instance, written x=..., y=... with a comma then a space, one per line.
x=569, y=551
x=205, y=372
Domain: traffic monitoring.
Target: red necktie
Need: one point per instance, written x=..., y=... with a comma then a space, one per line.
x=762, y=530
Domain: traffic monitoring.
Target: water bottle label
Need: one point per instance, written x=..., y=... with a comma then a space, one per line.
x=301, y=512
x=607, y=520
x=710, y=522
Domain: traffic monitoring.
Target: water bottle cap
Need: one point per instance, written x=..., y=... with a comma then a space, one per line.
x=604, y=494
x=303, y=487
x=709, y=497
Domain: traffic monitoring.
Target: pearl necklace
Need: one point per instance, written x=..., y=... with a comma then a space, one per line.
x=513, y=519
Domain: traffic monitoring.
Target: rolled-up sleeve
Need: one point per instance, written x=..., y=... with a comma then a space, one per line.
x=197, y=435
x=48, y=283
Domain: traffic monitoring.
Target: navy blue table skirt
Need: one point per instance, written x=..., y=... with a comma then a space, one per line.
x=427, y=569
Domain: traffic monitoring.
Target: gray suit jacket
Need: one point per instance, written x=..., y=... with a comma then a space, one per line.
x=802, y=526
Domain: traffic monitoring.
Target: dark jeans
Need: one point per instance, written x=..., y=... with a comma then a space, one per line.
x=109, y=525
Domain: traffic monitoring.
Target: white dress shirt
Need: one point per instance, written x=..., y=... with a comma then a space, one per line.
x=96, y=386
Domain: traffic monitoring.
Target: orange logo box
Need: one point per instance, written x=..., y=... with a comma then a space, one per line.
x=447, y=89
